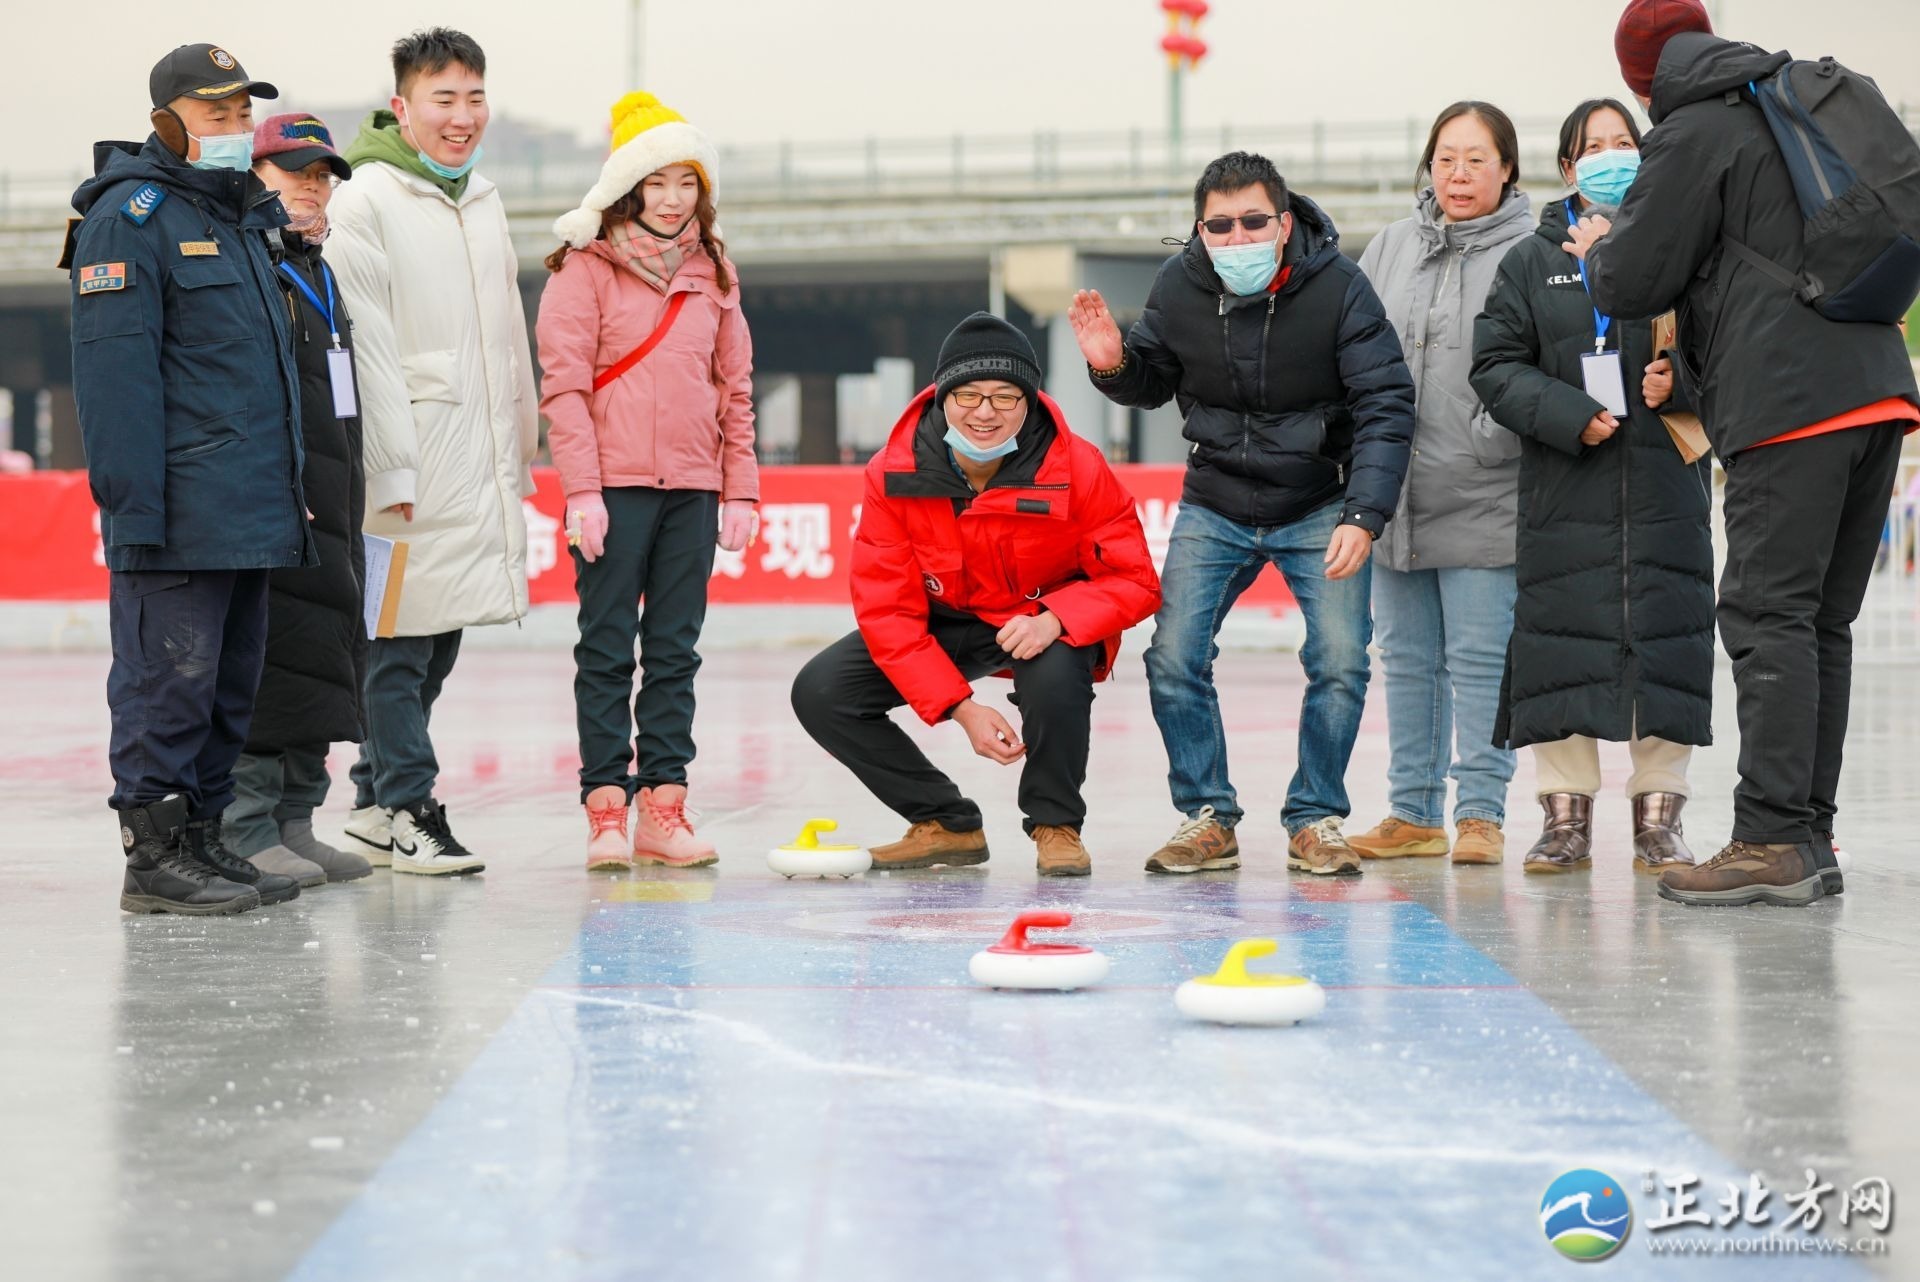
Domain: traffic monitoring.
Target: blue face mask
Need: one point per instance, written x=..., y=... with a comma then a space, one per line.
x=450, y=172
x=958, y=442
x=1603, y=178
x=224, y=151
x=1246, y=269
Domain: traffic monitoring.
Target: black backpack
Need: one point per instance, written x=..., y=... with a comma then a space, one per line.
x=1856, y=172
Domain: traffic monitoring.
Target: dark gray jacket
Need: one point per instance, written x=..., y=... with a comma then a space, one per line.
x=1458, y=507
x=1293, y=399
x=1762, y=362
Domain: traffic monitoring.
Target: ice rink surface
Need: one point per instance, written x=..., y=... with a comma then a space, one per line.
x=717, y=1074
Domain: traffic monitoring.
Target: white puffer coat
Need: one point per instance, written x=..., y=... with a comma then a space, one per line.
x=447, y=394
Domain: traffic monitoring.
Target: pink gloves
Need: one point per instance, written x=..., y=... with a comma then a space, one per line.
x=587, y=523
x=737, y=520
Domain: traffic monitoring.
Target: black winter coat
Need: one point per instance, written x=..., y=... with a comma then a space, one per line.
x=310, y=693
x=1613, y=626
x=1761, y=361
x=1293, y=399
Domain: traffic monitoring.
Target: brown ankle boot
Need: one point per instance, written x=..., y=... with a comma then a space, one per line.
x=1746, y=873
x=1059, y=852
x=931, y=842
x=1566, y=840
x=1657, y=844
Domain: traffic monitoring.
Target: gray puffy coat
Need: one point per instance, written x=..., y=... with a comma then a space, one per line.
x=1460, y=503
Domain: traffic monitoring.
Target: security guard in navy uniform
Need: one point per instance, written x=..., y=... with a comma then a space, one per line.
x=189, y=407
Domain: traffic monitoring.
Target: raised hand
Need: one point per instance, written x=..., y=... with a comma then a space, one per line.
x=1094, y=329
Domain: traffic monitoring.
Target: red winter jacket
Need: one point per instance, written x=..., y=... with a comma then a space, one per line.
x=1054, y=530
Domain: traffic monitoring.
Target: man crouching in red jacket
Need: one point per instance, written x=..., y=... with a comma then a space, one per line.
x=991, y=538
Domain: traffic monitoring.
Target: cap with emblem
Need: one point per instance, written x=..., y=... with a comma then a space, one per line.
x=206, y=72
x=294, y=140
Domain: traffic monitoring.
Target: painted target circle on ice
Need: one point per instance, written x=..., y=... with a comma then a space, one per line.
x=975, y=924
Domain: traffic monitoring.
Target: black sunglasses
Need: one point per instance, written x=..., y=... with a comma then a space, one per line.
x=1224, y=226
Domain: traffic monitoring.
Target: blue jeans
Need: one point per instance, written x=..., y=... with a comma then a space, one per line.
x=1210, y=562
x=1443, y=648
x=404, y=678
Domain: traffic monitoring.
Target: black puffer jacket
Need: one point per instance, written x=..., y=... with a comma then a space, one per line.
x=1293, y=399
x=1613, y=627
x=1763, y=362
x=310, y=693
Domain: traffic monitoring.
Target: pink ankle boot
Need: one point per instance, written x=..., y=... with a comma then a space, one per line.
x=607, y=830
x=662, y=835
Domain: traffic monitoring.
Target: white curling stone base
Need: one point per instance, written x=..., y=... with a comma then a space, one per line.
x=1042, y=970
x=825, y=861
x=1277, y=1004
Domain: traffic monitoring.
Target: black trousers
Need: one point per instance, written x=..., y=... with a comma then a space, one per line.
x=188, y=650
x=843, y=700
x=397, y=765
x=660, y=546
x=1804, y=520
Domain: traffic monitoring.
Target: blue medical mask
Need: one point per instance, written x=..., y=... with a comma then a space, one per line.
x=450, y=172
x=958, y=442
x=225, y=151
x=1603, y=178
x=1246, y=269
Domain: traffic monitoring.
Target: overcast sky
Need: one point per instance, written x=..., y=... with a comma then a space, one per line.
x=760, y=70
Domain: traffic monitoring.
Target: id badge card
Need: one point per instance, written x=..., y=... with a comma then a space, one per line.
x=1605, y=381
x=340, y=374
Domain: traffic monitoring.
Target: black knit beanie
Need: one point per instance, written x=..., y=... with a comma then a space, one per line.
x=985, y=347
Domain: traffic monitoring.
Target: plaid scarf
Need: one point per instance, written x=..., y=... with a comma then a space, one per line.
x=652, y=259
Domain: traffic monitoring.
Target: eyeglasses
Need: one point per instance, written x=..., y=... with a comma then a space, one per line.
x=967, y=400
x=1224, y=226
x=1472, y=167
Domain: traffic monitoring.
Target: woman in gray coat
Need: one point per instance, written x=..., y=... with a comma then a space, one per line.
x=1443, y=586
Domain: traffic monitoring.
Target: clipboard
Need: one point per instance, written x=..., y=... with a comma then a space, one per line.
x=386, y=572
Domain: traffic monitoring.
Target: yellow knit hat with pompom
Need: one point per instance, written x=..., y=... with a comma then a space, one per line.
x=647, y=137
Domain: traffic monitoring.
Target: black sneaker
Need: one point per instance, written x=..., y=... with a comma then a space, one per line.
x=162, y=874
x=203, y=841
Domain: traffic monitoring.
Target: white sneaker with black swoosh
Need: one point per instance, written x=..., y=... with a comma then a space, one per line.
x=423, y=843
x=369, y=834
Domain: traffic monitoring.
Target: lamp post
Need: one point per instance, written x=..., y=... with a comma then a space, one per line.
x=1184, y=49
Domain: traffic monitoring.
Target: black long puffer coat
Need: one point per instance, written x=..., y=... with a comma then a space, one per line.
x=311, y=691
x=1613, y=627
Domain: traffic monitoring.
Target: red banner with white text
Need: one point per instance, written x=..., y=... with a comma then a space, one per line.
x=50, y=538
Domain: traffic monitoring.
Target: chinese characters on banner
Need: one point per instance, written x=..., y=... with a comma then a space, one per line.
x=50, y=538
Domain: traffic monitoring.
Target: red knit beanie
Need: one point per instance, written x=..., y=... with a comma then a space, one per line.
x=1643, y=32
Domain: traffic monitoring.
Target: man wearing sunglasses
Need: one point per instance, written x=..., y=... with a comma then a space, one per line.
x=1300, y=411
x=992, y=540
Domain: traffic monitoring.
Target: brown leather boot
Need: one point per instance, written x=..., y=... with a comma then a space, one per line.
x=1566, y=839
x=931, y=842
x=1747, y=873
x=1059, y=852
x=1479, y=841
x=1657, y=844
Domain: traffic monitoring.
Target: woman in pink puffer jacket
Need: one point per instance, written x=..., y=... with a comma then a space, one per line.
x=647, y=380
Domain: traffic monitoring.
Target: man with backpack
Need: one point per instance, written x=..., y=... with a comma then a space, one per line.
x=1788, y=346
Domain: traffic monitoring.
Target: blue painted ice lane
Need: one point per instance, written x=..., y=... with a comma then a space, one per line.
x=805, y=1086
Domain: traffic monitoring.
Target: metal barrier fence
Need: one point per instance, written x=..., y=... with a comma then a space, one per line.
x=1346, y=154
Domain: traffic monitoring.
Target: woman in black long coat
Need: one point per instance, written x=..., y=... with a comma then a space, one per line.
x=1613, y=626
x=311, y=690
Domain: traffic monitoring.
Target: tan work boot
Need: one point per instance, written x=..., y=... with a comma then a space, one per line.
x=1321, y=849
x=1745, y=873
x=1395, y=838
x=1479, y=841
x=930, y=843
x=1059, y=852
x=1201, y=844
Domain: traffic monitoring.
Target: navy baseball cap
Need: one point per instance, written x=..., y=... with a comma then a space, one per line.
x=206, y=72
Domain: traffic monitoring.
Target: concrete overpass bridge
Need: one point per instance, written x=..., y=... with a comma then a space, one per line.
x=858, y=256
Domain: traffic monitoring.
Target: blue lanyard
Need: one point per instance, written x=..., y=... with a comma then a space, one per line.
x=326, y=309
x=1601, y=324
